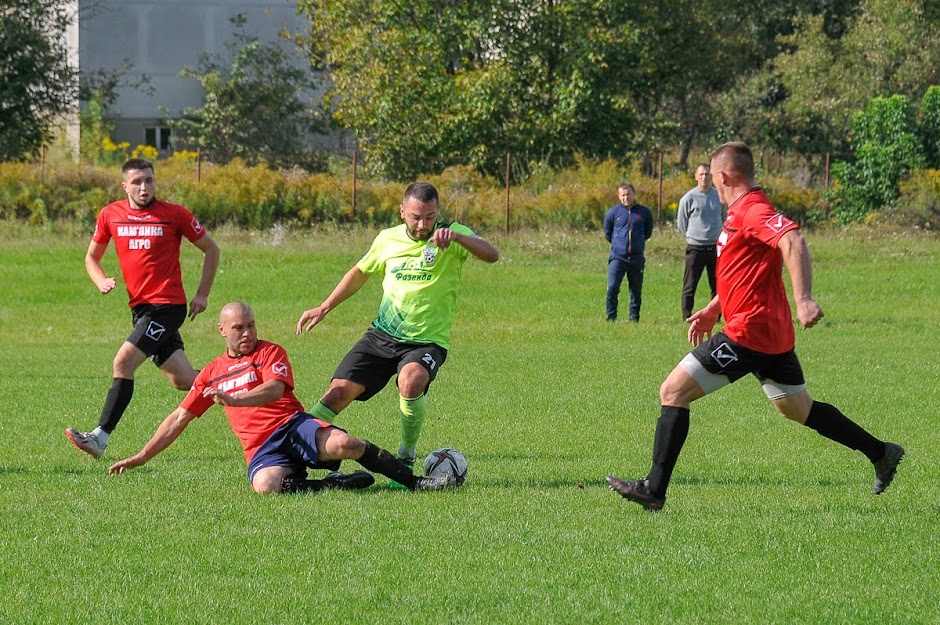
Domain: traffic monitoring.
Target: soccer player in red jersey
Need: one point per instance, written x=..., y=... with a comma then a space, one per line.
x=758, y=336
x=147, y=233
x=253, y=381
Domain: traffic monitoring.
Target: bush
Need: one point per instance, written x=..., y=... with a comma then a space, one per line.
x=919, y=203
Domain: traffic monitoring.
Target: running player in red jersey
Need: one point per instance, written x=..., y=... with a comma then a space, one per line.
x=254, y=382
x=758, y=336
x=147, y=233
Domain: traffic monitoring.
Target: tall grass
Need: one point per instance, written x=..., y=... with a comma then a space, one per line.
x=766, y=521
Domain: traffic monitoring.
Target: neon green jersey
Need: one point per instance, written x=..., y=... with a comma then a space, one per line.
x=420, y=285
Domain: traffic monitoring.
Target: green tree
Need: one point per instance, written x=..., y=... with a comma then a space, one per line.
x=37, y=84
x=259, y=105
x=930, y=126
x=887, y=148
x=888, y=47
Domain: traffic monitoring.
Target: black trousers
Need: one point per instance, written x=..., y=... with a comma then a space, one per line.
x=698, y=258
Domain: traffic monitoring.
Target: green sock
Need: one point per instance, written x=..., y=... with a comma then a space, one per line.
x=412, y=413
x=322, y=411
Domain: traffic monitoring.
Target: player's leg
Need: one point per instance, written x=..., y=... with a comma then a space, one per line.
x=710, y=263
x=417, y=369
x=126, y=362
x=364, y=371
x=615, y=272
x=337, y=397
x=335, y=444
x=701, y=372
x=791, y=399
x=178, y=370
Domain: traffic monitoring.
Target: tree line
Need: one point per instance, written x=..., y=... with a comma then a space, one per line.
x=428, y=84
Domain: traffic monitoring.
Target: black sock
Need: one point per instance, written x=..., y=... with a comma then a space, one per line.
x=119, y=396
x=831, y=423
x=671, y=432
x=381, y=461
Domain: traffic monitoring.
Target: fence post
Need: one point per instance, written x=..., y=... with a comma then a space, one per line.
x=659, y=199
x=506, y=225
x=42, y=165
x=827, y=170
x=198, y=164
x=355, y=179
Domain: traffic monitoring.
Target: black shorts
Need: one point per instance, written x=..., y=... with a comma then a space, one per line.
x=377, y=357
x=156, y=330
x=720, y=361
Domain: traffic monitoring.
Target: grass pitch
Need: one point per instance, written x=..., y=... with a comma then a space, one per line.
x=766, y=521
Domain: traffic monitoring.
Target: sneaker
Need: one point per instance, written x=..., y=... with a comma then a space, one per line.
x=636, y=491
x=86, y=441
x=887, y=467
x=411, y=463
x=434, y=482
x=348, y=481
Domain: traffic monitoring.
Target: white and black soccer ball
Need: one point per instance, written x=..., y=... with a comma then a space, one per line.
x=446, y=461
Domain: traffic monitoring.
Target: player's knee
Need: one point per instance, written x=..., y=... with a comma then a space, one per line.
x=267, y=483
x=342, y=446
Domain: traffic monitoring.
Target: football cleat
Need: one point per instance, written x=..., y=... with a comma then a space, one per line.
x=887, y=467
x=435, y=482
x=636, y=491
x=86, y=441
x=348, y=481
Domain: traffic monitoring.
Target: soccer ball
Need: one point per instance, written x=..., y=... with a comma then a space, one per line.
x=446, y=461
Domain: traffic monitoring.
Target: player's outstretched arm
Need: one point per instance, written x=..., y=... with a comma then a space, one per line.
x=95, y=271
x=347, y=287
x=799, y=265
x=210, y=265
x=166, y=433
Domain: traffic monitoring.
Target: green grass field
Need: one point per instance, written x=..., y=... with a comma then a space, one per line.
x=766, y=521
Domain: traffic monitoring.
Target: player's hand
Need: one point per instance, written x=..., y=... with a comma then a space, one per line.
x=198, y=305
x=219, y=397
x=106, y=285
x=443, y=237
x=123, y=465
x=701, y=324
x=808, y=312
x=310, y=318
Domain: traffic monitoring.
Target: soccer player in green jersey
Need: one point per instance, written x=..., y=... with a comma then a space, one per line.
x=421, y=261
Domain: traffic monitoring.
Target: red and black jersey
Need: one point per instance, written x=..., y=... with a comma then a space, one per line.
x=252, y=424
x=147, y=242
x=750, y=275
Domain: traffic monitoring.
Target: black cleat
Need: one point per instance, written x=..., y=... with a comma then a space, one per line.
x=636, y=491
x=348, y=481
x=887, y=467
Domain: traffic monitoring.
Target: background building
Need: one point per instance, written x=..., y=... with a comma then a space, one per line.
x=158, y=39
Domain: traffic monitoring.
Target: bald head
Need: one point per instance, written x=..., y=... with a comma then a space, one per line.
x=235, y=308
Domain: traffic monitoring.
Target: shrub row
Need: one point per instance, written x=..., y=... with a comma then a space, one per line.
x=259, y=197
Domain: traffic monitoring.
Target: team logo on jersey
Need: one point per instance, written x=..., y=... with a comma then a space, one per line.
x=724, y=355
x=777, y=223
x=133, y=217
x=430, y=253
x=279, y=368
x=197, y=227
x=155, y=331
x=429, y=361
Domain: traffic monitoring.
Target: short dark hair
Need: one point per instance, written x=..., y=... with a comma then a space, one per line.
x=740, y=157
x=136, y=163
x=626, y=185
x=421, y=191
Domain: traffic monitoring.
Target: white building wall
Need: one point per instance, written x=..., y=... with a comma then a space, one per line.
x=160, y=38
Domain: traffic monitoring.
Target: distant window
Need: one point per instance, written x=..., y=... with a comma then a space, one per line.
x=157, y=137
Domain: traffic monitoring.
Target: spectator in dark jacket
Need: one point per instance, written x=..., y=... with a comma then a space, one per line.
x=627, y=226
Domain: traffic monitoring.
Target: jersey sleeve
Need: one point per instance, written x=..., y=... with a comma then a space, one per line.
x=766, y=224
x=102, y=234
x=373, y=262
x=189, y=225
x=194, y=402
x=275, y=365
x=465, y=230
